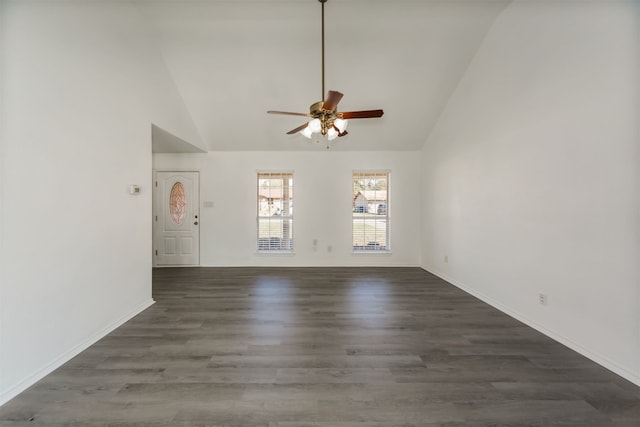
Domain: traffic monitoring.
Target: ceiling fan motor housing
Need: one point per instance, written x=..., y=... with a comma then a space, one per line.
x=326, y=117
x=316, y=107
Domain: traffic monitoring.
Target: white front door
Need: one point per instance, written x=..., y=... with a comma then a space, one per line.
x=176, y=230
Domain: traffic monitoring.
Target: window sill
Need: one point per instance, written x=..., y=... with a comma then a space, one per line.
x=275, y=253
x=371, y=252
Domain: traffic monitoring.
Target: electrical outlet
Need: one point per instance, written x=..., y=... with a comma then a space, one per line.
x=543, y=299
x=446, y=258
x=329, y=248
x=315, y=242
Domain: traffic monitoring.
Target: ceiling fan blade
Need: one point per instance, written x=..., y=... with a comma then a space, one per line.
x=298, y=129
x=365, y=114
x=333, y=97
x=289, y=113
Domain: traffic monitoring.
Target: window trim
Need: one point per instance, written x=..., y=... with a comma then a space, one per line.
x=387, y=250
x=260, y=175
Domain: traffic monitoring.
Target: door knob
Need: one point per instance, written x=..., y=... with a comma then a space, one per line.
x=195, y=223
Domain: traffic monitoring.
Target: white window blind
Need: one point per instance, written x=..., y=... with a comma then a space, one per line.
x=275, y=212
x=370, y=207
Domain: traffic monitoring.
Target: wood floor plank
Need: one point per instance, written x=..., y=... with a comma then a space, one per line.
x=323, y=347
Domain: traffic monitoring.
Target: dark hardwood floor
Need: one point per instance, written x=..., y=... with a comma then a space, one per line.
x=332, y=347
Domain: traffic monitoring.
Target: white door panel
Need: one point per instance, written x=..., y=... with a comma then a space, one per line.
x=177, y=218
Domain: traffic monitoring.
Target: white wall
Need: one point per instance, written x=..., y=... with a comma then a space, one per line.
x=531, y=181
x=81, y=85
x=322, y=205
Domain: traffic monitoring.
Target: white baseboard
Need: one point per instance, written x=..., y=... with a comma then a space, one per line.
x=614, y=367
x=70, y=354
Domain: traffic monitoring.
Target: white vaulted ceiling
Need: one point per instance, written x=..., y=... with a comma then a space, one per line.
x=234, y=60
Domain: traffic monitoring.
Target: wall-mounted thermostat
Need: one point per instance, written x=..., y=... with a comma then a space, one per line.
x=134, y=190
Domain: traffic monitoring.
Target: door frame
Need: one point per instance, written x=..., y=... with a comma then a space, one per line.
x=154, y=223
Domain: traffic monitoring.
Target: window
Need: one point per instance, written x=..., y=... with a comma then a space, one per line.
x=370, y=211
x=275, y=212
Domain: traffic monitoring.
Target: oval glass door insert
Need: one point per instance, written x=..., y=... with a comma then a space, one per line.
x=177, y=203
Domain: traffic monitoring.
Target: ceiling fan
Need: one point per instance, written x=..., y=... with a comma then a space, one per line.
x=325, y=119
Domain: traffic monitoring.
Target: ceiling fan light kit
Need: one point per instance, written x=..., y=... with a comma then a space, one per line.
x=325, y=119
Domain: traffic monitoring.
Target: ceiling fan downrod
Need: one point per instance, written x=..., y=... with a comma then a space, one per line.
x=322, y=2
